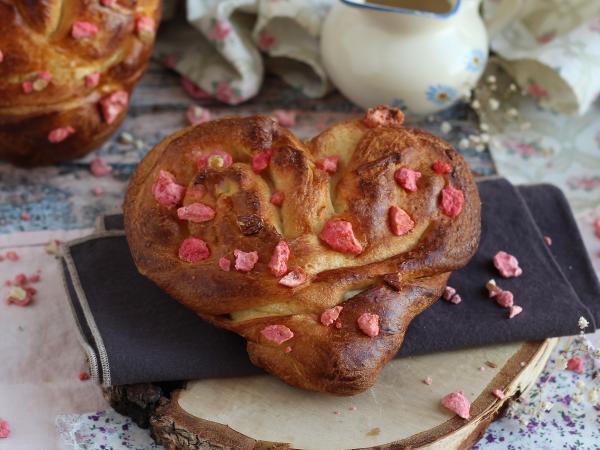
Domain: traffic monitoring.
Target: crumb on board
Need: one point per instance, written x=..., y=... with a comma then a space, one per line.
x=374, y=431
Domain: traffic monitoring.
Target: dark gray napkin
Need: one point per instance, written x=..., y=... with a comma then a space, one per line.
x=134, y=332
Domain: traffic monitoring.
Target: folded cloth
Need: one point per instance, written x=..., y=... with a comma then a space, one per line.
x=133, y=332
x=224, y=46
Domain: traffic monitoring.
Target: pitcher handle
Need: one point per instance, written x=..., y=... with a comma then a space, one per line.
x=505, y=12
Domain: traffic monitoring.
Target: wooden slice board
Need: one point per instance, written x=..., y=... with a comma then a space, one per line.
x=400, y=411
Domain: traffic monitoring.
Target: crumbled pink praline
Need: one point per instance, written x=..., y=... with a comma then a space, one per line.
x=26, y=216
x=4, y=429
x=27, y=86
x=339, y=235
x=441, y=167
x=548, y=240
x=92, y=79
x=261, y=160
x=458, y=404
x=279, y=259
x=399, y=220
x=35, y=277
x=193, y=250
x=196, y=212
x=451, y=201
x=99, y=167
x=82, y=30
x=514, y=311
x=12, y=256
x=329, y=164
x=505, y=299
x=407, y=178
x=575, y=364
x=287, y=118
x=368, y=324
x=83, y=376
x=98, y=191
x=329, y=316
x=113, y=105
x=294, y=278
x=499, y=393
x=166, y=191
x=448, y=293
x=245, y=261
x=224, y=264
x=507, y=265
x=277, y=198
x=44, y=75
x=428, y=381
x=277, y=333
x=144, y=25
x=60, y=134
x=597, y=227
x=20, y=279
x=456, y=299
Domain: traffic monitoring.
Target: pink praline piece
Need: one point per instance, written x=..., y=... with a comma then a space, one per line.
x=339, y=235
x=369, y=324
x=277, y=333
x=294, y=278
x=575, y=364
x=279, y=259
x=329, y=316
x=245, y=261
x=507, y=265
x=193, y=250
x=458, y=404
x=224, y=264
x=407, y=178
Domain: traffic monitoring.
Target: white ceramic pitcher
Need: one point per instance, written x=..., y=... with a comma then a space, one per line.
x=420, y=55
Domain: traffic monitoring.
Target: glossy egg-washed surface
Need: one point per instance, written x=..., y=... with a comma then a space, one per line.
x=37, y=37
x=395, y=277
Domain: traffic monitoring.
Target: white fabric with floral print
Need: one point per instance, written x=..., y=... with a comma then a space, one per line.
x=223, y=46
x=553, y=51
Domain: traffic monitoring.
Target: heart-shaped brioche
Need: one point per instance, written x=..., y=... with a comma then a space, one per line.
x=67, y=69
x=318, y=253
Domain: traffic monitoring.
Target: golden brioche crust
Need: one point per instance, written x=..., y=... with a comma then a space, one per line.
x=394, y=277
x=37, y=39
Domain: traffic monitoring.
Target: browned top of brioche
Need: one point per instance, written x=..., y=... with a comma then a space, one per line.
x=36, y=37
x=395, y=277
x=361, y=192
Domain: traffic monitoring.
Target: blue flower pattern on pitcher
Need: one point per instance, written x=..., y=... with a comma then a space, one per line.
x=476, y=60
x=441, y=94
